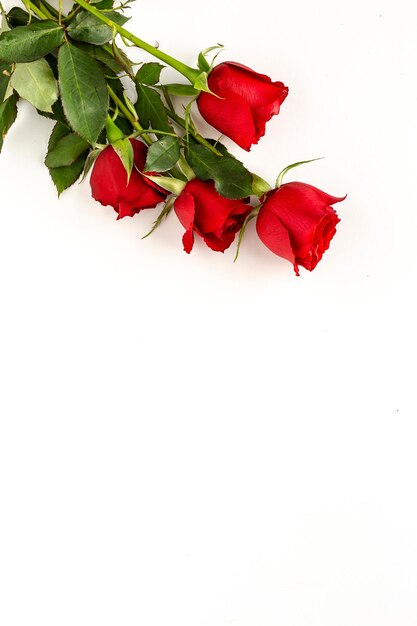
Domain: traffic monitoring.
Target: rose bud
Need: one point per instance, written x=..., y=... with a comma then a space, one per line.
x=247, y=100
x=216, y=219
x=110, y=186
x=297, y=222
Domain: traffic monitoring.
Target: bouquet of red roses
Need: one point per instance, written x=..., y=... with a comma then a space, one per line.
x=147, y=150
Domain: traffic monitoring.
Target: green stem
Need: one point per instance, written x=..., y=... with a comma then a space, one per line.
x=260, y=186
x=181, y=122
x=46, y=11
x=173, y=115
x=124, y=109
x=128, y=115
x=168, y=99
x=138, y=133
x=185, y=168
x=41, y=11
x=118, y=55
x=71, y=15
x=34, y=9
x=190, y=73
x=46, y=7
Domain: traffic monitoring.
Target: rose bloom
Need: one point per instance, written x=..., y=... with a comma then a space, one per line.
x=247, y=101
x=297, y=222
x=110, y=187
x=216, y=219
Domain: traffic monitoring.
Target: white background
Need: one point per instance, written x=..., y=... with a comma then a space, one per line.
x=191, y=442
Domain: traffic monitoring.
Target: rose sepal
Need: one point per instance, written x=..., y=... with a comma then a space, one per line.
x=174, y=185
x=203, y=64
x=283, y=172
x=121, y=145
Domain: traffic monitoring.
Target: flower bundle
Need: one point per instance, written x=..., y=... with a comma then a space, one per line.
x=146, y=150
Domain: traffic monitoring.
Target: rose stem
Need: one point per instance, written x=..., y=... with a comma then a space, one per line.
x=185, y=70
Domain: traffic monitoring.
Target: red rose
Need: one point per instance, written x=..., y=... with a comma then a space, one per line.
x=110, y=187
x=298, y=222
x=216, y=219
x=247, y=101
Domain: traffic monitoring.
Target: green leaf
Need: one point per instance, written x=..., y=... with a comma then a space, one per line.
x=88, y=28
x=150, y=109
x=102, y=4
x=36, y=83
x=176, y=89
x=28, y=43
x=220, y=147
x=4, y=26
x=90, y=160
x=8, y=112
x=57, y=113
x=66, y=151
x=101, y=54
x=231, y=178
x=115, y=83
x=18, y=17
x=163, y=155
x=5, y=73
x=64, y=177
x=124, y=151
x=83, y=92
x=53, y=62
x=123, y=61
x=58, y=132
x=149, y=73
